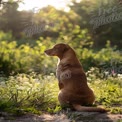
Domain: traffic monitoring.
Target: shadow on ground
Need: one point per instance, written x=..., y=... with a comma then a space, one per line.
x=65, y=116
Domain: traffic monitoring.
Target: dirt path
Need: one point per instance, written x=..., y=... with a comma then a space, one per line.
x=65, y=117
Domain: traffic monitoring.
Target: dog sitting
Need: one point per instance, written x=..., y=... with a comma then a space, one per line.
x=73, y=86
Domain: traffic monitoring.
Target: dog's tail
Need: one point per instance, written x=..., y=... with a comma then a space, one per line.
x=89, y=109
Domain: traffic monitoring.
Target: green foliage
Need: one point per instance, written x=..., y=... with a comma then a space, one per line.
x=33, y=93
x=116, y=110
x=5, y=36
x=106, y=58
x=58, y=25
x=54, y=110
x=27, y=58
x=28, y=93
x=108, y=92
x=14, y=59
x=30, y=85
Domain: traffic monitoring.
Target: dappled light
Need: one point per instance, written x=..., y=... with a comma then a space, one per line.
x=29, y=84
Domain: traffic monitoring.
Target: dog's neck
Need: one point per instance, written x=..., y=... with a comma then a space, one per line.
x=67, y=54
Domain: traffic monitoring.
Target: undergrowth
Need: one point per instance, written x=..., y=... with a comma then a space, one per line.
x=28, y=93
x=36, y=94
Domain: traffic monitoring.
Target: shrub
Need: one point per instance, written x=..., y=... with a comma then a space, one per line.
x=14, y=59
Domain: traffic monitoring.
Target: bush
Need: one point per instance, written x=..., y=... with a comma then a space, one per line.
x=22, y=59
x=107, y=59
x=25, y=58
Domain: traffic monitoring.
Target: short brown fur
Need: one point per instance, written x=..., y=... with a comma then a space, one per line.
x=73, y=86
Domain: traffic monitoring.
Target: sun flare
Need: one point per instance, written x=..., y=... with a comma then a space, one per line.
x=58, y=4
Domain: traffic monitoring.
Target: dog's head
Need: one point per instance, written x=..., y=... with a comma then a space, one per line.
x=58, y=50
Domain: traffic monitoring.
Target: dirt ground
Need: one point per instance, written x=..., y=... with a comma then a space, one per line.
x=64, y=117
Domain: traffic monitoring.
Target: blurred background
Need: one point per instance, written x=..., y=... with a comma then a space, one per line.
x=27, y=28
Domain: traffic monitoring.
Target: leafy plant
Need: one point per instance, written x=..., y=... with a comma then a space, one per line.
x=28, y=91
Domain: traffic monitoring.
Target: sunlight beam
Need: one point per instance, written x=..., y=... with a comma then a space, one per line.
x=58, y=4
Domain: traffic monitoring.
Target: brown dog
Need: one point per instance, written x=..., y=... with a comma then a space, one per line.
x=73, y=85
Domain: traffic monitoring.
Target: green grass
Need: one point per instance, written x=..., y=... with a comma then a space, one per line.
x=109, y=93
x=36, y=94
x=28, y=93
